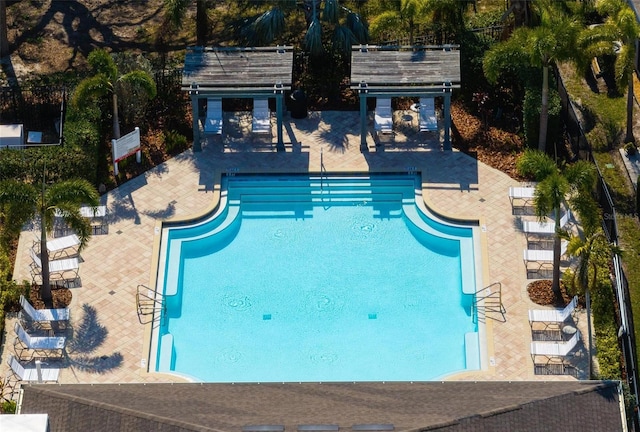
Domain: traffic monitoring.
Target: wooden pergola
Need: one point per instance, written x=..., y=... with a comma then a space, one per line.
x=237, y=73
x=426, y=71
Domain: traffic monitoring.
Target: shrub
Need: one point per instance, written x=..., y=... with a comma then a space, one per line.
x=608, y=353
x=174, y=141
x=597, y=137
x=9, y=407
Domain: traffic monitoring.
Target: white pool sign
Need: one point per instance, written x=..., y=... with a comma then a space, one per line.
x=126, y=146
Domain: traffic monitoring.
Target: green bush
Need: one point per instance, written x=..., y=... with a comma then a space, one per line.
x=174, y=141
x=608, y=353
x=9, y=407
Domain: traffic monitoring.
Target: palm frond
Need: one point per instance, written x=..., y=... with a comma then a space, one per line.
x=343, y=39
x=101, y=62
x=90, y=89
x=268, y=26
x=358, y=28
x=141, y=80
x=176, y=11
x=331, y=11
x=535, y=165
x=313, y=38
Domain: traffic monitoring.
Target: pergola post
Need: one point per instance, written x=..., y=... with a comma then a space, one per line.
x=363, y=116
x=447, y=116
x=279, y=92
x=195, y=105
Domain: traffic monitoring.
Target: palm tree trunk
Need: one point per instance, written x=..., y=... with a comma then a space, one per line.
x=629, y=137
x=587, y=298
x=116, y=122
x=4, y=41
x=544, y=110
x=202, y=23
x=45, y=289
x=555, y=286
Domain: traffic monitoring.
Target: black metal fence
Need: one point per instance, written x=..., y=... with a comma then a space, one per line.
x=624, y=318
x=436, y=37
x=39, y=108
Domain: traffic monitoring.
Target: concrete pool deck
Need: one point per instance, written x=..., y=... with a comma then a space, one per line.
x=107, y=343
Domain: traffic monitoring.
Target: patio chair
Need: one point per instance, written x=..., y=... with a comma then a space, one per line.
x=554, y=350
x=40, y=346
x=97, y=218
x=40, y=316
x=542, y=257
x=544, y=228
x=553, y=316
x=32, y=373
x=261, y=123
x=428, y=118
x=66, y=246
x=521, y=196
x=58, y=269
x=213, y=122
x=383, y=116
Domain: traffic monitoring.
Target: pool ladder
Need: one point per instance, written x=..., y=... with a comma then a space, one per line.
x=487, y=303
x=148, y=302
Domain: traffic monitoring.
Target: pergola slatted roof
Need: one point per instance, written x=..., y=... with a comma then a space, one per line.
x=242, y=69
x=387, y=68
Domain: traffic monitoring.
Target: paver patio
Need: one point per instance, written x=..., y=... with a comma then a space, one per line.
x=108, y=340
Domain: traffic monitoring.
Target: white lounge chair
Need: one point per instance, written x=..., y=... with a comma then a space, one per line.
x=213, y=122
x=542, y=256
x=428, y=117
x=553, y=316
x=40, y=346
x=383, y=116
x=62, y=246
x=58, y=269
x=43, y=315
x=554, y=350
x=521, y=196
x=261, y=123
x=544, y=228
x=33, y=373
x=96, y=216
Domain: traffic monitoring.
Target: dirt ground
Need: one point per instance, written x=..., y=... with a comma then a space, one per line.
x=49, y=36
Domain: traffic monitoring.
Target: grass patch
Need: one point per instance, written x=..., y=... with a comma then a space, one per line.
x=630, y=243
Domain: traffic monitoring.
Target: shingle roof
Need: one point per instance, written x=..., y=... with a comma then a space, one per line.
x=443, y=406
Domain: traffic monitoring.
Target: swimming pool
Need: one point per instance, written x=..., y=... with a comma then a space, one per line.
x=306, y=279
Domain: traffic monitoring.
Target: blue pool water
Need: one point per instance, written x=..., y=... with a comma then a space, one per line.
x=294, y=280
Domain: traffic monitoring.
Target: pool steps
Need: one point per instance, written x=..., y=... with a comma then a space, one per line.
x=335, y=190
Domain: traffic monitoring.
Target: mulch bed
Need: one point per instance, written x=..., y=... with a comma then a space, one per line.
x=61, y=297
x=540, y=292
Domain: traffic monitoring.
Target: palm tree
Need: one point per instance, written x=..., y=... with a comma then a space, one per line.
x=107, y=80
x=176, y=11
x=555, y=187
x=618, y=36
x=553, y=40
x=346, y=32
x=406, y=15
x=20, y=202
x=593, y=253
